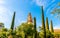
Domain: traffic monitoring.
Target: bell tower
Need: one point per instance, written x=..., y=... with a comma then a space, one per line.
x=29, y=19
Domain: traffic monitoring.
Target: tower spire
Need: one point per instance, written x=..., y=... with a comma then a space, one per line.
x=29, y=20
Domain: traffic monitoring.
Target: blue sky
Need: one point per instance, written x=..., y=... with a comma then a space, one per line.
x=23, y=7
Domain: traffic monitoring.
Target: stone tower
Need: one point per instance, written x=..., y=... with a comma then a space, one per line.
x=29, y=19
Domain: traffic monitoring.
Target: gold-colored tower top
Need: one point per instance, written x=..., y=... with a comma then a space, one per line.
x=29, y=20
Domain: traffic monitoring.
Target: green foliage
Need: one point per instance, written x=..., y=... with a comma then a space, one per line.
x=56, y=11
x=3, y=33
x=27, y=29
x=59, y=4
x=48, y=33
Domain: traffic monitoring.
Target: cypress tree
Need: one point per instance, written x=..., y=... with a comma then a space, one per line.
x=12, y=24
x=43, y=24
x=47, y=25
x=35, y=35
x=51, y=27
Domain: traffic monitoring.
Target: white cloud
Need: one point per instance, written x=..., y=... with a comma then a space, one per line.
x=2, y=1
x=43, y=3
x=5, y=15
x=40, y=2
x=4, y=10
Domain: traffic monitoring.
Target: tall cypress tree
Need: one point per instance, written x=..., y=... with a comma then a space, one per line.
x=51, y=27
x=35, y=35
x=43, y=24
x=13, y=20
x=47, y=25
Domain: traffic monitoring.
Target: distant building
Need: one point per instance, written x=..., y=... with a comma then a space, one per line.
x=1, y=25
x=29, y=19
